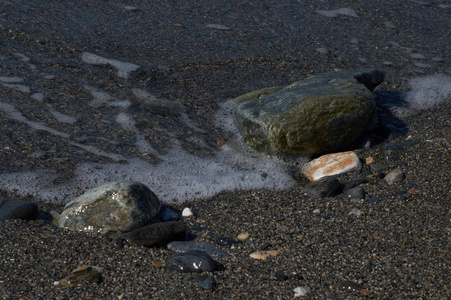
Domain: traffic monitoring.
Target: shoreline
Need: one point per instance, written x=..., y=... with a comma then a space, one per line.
x=396, y=249
x=59, y=111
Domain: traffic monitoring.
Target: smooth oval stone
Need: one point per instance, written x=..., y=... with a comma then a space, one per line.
x=327, y=187
x=16, y=209
x=321, y=114
x=182, y=246
x=393, y=177
x=331, y=164
x=113, y=207
x=243, y=236
x=355, y=193
x=156, y=234
x=264, y=254
x=168, y=214
x=192, y=262
x=207, y=284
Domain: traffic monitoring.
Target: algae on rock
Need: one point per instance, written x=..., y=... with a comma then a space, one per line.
x=323, y=113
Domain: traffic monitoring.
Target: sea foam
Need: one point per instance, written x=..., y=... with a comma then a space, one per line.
x=425, y=93
x=178, y=176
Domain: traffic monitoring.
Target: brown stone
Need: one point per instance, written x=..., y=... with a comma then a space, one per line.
x=264, y=254
x=331, y=164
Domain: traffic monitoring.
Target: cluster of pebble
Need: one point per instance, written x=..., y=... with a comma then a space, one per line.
x=129, y=213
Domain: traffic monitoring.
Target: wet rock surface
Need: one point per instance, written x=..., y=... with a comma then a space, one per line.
x=398, y=247
x=156, y=234
x=320, y=114
x=112, y=207
x=331, y=164
x=194, y=261
x=184, y=246
x=329, y=186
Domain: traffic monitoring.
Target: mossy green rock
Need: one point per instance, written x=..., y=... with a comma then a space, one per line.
x=321, y=114
x=111, y=208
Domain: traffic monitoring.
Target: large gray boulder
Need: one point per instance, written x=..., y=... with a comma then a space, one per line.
x=113, y=207
x=321, y=114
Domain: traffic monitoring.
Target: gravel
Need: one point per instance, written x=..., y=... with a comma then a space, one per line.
x=394, y=248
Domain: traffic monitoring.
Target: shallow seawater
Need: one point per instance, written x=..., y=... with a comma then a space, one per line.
x=143, y=93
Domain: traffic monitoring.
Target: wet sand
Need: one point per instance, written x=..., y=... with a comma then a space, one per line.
x=398, y=247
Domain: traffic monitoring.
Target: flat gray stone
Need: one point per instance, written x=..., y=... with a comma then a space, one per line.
x=394, y=177
x=321, y=114
x=113, y=207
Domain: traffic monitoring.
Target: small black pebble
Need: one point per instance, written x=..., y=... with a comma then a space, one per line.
x=266, y=246
x=281, y=276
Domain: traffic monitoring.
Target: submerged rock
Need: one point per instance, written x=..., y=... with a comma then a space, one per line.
x=113, y=207
x=320, y=114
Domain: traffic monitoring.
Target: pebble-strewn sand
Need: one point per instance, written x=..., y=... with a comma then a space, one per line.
x=397, y=249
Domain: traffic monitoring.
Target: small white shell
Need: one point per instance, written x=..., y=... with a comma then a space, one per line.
x=187, y=212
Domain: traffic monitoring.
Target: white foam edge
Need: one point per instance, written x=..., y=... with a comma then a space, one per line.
x=425, y=93
x=10, y=79
x=129, y=124
x=17, y=87
x=123, y=68
x=178, y=177
x=13, y=113
x=101, y=98
x=340, y=11
x=60, y=117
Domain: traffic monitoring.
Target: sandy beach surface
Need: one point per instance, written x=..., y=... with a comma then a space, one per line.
x=55, y=57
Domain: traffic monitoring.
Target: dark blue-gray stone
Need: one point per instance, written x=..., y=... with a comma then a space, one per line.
x=168, y=214
x=207, y=284
x=355, y=193
x=184, y=246
x=192, y=262
x=355, y=182
x=156, y=234
x=16, y=209
x=330, y=186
